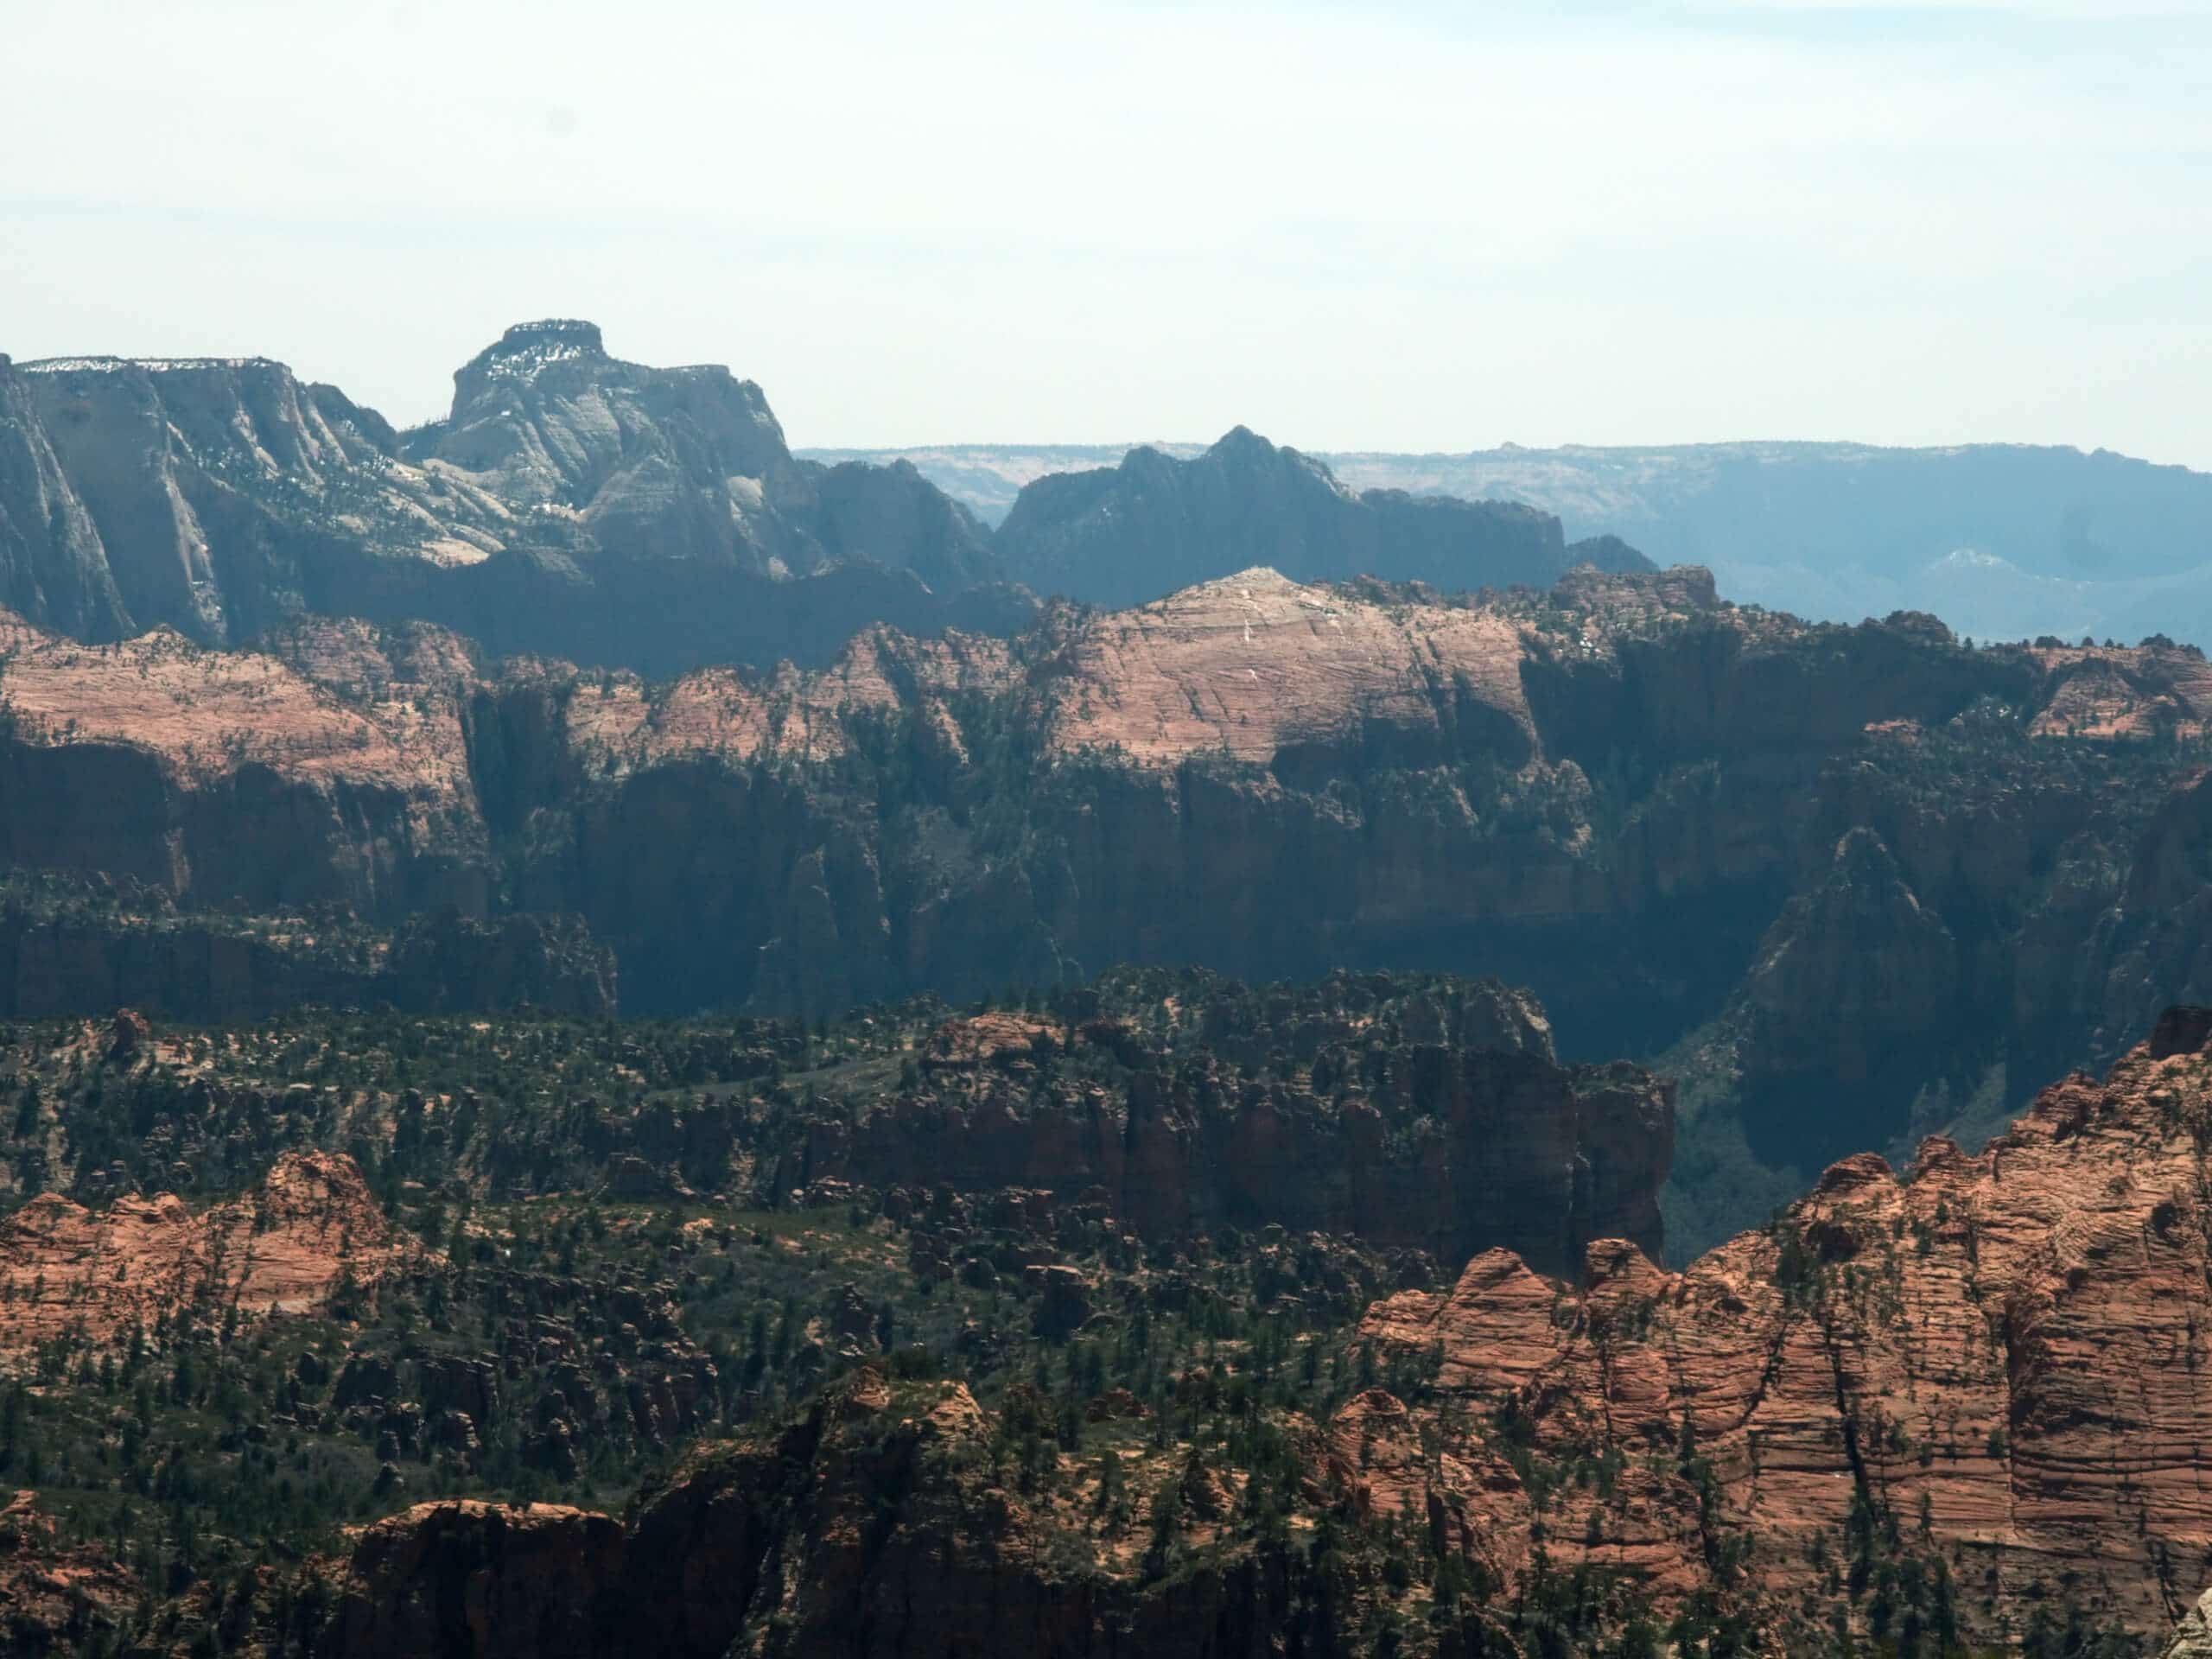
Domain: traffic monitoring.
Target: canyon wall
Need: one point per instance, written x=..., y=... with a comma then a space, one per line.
x=1848, y=879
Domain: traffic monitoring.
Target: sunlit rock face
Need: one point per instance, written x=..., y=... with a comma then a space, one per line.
x=1960, y=1347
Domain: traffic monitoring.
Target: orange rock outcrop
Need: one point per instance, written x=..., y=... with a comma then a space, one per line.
x=283, y=1248
x=55, y=1597
x=1993, y=1362
x=1251, y=663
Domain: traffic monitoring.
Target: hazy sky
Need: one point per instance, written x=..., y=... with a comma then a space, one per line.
x=1414, y=226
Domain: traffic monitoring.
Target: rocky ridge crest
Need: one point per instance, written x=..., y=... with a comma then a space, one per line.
x=1155, y=524
x=571, y=502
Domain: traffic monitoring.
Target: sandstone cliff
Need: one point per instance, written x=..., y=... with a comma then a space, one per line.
x=1868, y=868
x=1954, y=1409
x=1987, y=1366
x=280, y=1248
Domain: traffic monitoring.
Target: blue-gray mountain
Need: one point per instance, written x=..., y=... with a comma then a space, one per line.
x=1156, y=523
x=2005, y=542
x=576, y=504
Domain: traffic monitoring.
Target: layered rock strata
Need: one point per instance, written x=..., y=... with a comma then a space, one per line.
x=1861, y=867
x=283, y=1248
x=1988, y=1366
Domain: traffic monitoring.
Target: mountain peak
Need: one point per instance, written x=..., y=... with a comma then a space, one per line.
x=529, y=346
x=1244, y=439
x=551, y=332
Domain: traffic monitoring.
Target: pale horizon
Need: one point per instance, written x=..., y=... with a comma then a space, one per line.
x=1383, y=228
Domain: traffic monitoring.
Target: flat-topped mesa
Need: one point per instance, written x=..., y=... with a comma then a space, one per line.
x=548, y=339
x=1997, y=1356
x=243, y=418
x=554, y=417
x=525, y=351
x=107, y=364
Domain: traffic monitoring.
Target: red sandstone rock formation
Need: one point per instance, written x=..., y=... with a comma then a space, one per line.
x=1631, y=796
x=1995, y=1363
x=283, y=1248
x=53, y=1598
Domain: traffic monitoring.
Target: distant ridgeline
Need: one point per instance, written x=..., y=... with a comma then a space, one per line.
x=2002, y=541
x=577, y=506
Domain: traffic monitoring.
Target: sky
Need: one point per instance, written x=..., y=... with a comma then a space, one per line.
x=1394, y=225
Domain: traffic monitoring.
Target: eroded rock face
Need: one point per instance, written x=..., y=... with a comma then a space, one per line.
x=281, y=1249
x=669, y=466
x=548, y=412
x=52, y=566
x=1862, y=948
x=54, y=1598
x=1992, y=1362
x=1865, y=851
x=1441, y=1125
x=2193, y=1636
x=572, y=503
x=786, y=1544
x=487, y=1581
x=213, y=483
